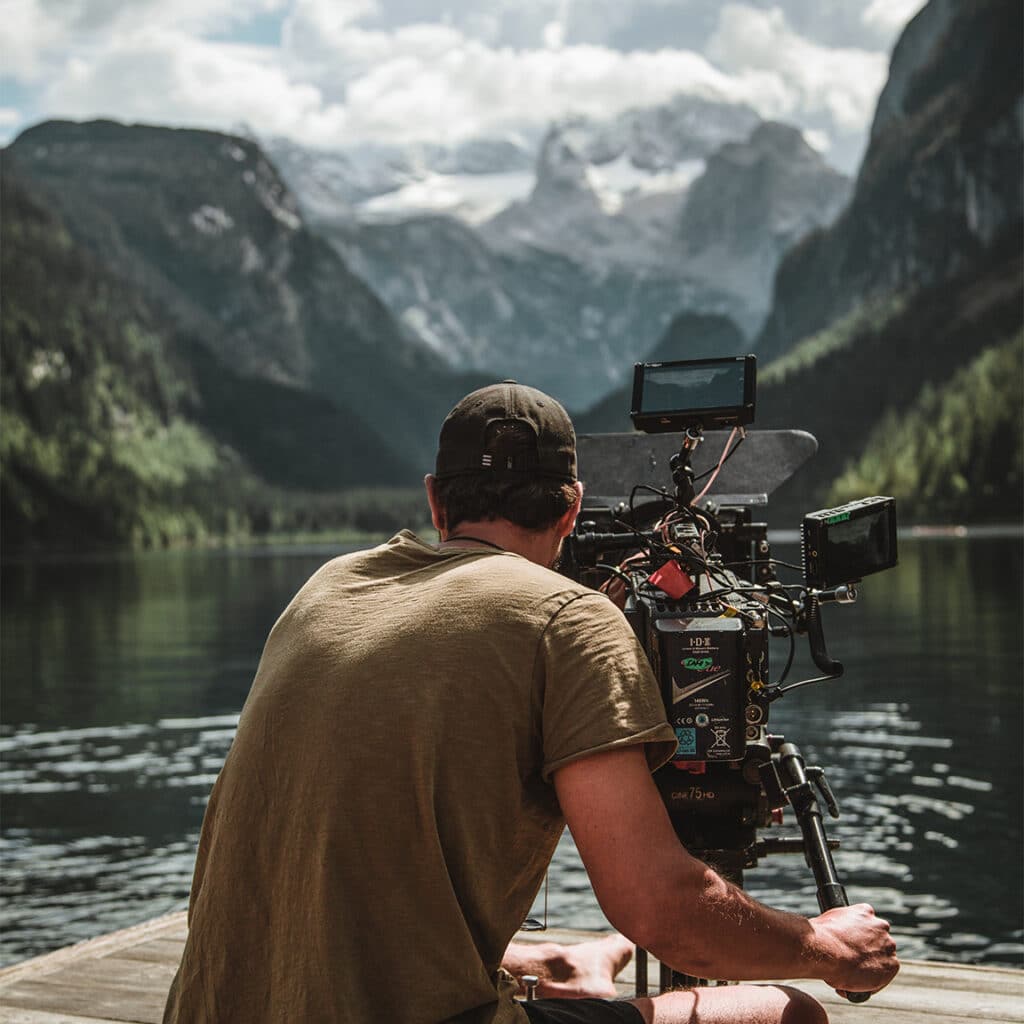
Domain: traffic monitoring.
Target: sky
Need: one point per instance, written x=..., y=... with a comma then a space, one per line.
x=328, y=73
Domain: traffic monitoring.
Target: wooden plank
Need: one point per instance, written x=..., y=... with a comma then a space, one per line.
x=863, y=1014
x=103, y=987
x=127, y=1006
x=169, y=926
x=157, y=951
x=935, y=1005
x=123, y=977
x=965, y=977
x=17, y=1015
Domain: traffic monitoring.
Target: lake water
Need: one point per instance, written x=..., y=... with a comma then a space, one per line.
x=123, y=678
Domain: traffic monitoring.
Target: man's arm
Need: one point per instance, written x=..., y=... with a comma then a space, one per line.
x=676, y=906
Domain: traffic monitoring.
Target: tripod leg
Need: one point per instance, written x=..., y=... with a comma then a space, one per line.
x=640, y=979
x=665, y=979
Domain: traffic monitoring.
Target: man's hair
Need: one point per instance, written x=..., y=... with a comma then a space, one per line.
x=532, y=502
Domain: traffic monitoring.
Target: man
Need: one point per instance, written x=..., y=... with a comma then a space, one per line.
x=424, y=721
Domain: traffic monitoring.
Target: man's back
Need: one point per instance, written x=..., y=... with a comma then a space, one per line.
x=384, y=817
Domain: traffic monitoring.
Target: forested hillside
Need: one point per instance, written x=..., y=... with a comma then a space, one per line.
x=904, y=365
x=956, y=453
x=117, y=425
x=201, y=224
x=92, y=436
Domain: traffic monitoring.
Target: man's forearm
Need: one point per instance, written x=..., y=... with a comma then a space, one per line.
x=652, y=890
x=710, y=928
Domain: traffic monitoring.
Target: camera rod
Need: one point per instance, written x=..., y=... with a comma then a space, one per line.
x=796, y=779
x=680, y=464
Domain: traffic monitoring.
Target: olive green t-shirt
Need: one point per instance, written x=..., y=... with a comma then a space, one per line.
x=385, y=816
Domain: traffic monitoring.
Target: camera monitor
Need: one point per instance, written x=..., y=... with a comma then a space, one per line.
x=693, y=393
x=845, y=544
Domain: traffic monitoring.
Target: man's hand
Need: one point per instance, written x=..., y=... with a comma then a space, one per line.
x=860, y=952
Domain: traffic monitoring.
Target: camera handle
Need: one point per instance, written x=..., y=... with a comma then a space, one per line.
x=808, y=620
x=799, y=782
x=816, y=637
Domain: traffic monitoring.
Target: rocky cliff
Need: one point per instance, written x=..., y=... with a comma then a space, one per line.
x=940, y=185
x=203, y=226
x=686, y=207
x=117, y=424
x=916, y=291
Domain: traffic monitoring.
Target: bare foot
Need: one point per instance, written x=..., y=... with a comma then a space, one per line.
x=585, y=969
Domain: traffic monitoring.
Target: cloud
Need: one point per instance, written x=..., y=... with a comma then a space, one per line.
x=436, y=81
x=37, y=36
x=554, y=35
x=163, y=76
x=340, y=74
x=805, y=78
x=28, y=33
x=889, y=16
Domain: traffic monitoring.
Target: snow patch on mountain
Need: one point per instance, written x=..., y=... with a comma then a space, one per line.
x=211, y=220
x=563, y=259
x=621, y=180
x=470, y=197
x=642, y=151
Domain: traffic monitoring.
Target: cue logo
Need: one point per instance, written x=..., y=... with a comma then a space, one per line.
x=698, y=664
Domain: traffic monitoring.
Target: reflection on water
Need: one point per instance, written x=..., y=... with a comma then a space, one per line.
x=97, y=845
x=123, y=680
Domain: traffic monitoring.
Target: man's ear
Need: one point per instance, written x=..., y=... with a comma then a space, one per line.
x=568, y=521
x=437, y=515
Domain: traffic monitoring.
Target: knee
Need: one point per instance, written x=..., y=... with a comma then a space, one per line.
x=802, y=1008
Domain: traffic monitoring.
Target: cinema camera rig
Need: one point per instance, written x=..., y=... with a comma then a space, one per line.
x=700, y=590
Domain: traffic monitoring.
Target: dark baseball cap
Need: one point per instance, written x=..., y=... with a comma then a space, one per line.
x=467, y=444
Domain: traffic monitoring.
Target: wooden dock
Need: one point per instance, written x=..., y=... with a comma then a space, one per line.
x=123, y=977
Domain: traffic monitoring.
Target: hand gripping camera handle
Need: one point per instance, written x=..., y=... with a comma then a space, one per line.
x=831, y=896
x=801, y=795
x=816, y=639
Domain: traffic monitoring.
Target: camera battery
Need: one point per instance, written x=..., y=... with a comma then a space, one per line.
x=702, y=684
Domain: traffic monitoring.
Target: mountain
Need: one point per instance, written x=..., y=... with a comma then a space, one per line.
x=117, y=425
x=202, y=225
x=916, y=290
x=895, y=333
x=755, y=200
x=940, y=181
x=766, y=188
x=571, y=283
x=912, y=51
x=689, y=336
x=951, y=455
x=568, y=328
x=91, y=431
x=648, y=149
x=375, y=181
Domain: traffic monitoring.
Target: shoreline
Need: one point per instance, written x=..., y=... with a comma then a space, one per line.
x=315, y=541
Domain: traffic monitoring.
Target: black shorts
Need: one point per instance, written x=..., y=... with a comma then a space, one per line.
x=581, y=1011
